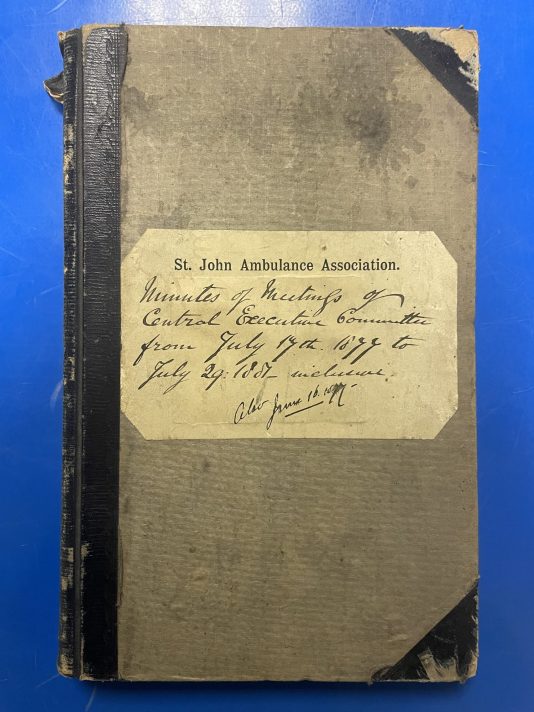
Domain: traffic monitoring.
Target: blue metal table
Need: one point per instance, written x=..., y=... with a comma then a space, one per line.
x=31, y=275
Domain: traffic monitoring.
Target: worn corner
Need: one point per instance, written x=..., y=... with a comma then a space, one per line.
x=451, y=56
x=90, y=35
x=447, y=653
x=65, y=665
x=464, y=43
x=466, y=47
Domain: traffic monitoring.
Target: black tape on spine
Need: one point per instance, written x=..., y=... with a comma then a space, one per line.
x=103, y=67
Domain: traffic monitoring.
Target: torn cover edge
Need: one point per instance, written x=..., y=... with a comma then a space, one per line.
x=55, y=86
x=90, y=92
x=447, y=653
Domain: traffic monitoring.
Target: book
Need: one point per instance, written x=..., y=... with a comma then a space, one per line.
x=269, y=393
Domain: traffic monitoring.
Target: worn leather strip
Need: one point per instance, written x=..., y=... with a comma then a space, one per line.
x=68, y=659
x=103, y=65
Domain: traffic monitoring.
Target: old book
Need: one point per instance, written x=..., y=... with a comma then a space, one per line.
x=269, y=405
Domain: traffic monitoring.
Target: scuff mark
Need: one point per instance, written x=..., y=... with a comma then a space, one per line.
x=57, y=7
x=55, y=394
x=48, y=679
x=90, y=700
x=439, y=670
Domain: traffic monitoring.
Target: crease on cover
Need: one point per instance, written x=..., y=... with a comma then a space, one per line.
x=447, y=653
x=451, y=56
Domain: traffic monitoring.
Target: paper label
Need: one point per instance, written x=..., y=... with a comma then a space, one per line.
x=258, y=334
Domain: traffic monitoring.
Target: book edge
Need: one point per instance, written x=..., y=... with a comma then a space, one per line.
x=69, y=93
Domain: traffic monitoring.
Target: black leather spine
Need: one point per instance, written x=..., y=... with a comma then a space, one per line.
x=93, y=69
x=68, y=661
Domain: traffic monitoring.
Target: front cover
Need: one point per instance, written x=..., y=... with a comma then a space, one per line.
x=297, y=495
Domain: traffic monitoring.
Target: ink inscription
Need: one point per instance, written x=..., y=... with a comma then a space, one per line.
x=212, y=350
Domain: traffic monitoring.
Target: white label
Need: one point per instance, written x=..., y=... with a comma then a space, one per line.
x=258, y=334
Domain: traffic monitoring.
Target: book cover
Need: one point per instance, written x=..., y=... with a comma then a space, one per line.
x=269, y=392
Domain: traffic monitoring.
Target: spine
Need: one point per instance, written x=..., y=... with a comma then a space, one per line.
x=69, y=628
x=104, y=61
x=89, y=89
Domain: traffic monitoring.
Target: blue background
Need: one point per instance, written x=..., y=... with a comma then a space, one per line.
x=31, y=276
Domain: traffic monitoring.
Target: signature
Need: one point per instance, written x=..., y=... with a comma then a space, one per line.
x=330, y=395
